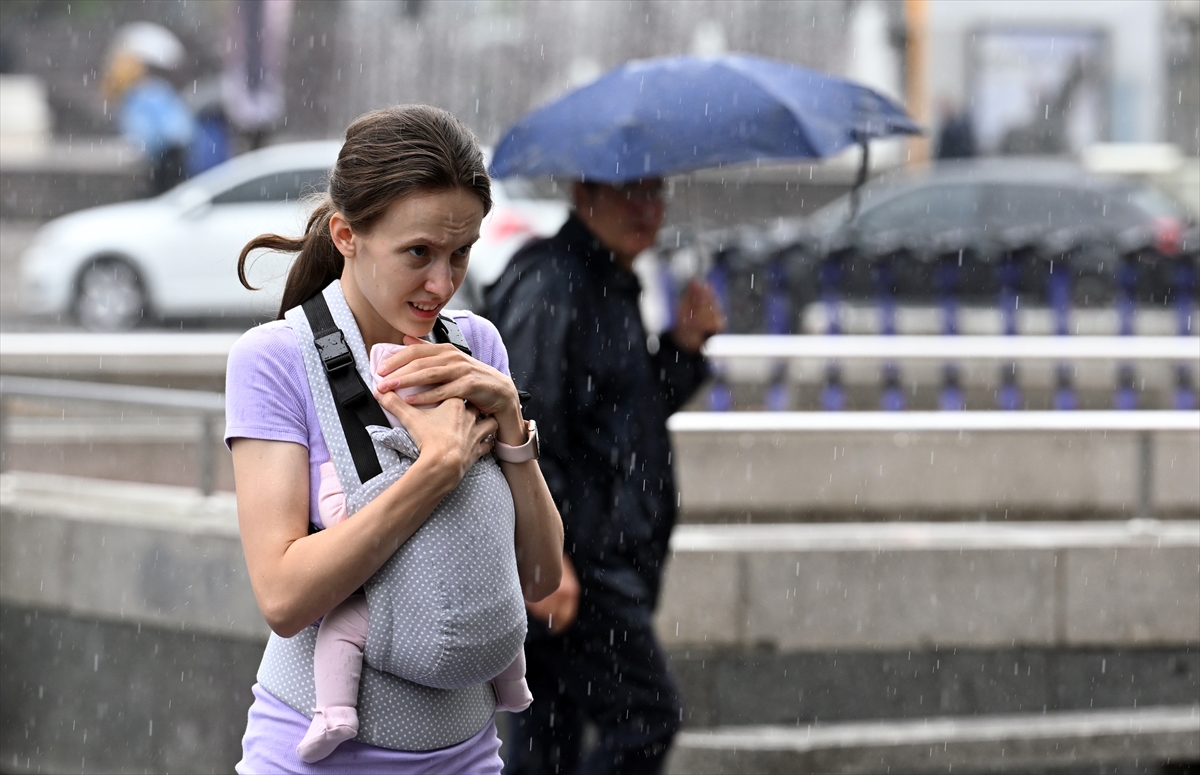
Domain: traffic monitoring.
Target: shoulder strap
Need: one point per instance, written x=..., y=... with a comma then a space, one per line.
x=445, y=330
x=356, y=406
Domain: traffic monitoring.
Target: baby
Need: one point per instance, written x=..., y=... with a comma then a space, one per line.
x=338, y=657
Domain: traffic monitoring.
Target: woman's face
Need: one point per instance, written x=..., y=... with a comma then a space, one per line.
x=402, y=272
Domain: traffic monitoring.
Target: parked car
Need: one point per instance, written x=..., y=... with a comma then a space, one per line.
x=175, y=255
x=975, y=214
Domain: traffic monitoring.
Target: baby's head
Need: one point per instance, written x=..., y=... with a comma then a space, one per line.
x=380, y=353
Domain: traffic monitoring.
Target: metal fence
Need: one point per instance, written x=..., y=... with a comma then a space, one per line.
x=209, y=406
x=892, y=351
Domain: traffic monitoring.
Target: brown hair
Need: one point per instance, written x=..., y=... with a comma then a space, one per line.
x=389, y=154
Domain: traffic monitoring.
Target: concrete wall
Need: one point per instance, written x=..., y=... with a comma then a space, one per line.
x=88, y=694
x=129, y=635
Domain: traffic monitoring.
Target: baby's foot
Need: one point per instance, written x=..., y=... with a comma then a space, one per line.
x=329, y=729
x=512, y=694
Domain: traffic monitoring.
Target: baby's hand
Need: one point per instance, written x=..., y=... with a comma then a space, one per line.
x=380, y=354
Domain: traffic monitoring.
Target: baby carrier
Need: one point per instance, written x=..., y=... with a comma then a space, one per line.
x=446, y=611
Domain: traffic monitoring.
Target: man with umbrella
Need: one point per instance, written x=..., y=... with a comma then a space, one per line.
x=567, y=308
x=601, y=393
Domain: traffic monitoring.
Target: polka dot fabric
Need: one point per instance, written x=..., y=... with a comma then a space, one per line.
x=392, y=713
x=466, y=622
x=446, y=613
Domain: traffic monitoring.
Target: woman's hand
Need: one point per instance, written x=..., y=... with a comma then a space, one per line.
x=454, y=373
x=452, y=435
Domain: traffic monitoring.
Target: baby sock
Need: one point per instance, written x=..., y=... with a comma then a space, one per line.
x=512, y=690
x=330, y=728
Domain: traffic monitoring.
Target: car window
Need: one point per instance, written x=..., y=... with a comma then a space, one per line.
x=926, y=210
x=1056, y=207
x=277, y=187
x=833, y=216
x=1154, y=202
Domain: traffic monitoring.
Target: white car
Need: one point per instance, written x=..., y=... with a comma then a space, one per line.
x=176, y=255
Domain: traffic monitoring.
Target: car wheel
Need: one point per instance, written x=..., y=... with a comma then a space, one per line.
x=110, y=296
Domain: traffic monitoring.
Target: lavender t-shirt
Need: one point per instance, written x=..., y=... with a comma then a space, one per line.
x=267, y=397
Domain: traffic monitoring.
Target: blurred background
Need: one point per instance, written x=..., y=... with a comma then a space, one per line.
x=940, y=503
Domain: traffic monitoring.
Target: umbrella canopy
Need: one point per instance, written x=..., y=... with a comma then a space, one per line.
x=668, y=116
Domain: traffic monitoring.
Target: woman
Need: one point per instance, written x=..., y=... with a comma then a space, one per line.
x=384, y=252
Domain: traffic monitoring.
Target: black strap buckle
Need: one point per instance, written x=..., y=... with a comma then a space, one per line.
x=445, y=330
x=334, y=351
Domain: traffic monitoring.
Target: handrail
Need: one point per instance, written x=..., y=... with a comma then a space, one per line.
x=209, y=405
x=135, y=352
x=916, y=422
x=144, y=343
x=167, y=398
x=1014, y=348
x=217, y=345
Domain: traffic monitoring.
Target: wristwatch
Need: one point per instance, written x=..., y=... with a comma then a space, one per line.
x=527, y=451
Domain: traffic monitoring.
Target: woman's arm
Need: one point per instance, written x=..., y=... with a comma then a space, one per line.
x=539, y=536
x=297, y=577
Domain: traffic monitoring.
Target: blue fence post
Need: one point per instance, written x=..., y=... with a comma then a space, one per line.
x=777, y=313
x=891, y=397
x=1125, y=397
x=1008, y=397
x=1059, y=290
x=720, y=396
x=1183, y=279
x=949, y=270
x=829, y=278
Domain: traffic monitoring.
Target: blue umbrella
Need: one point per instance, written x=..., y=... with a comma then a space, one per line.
x=668, y=116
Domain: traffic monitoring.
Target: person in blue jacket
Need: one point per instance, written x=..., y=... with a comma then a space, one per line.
x=568, y=308
x=152, y=118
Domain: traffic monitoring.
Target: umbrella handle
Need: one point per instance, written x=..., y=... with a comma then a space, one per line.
x=862, y=175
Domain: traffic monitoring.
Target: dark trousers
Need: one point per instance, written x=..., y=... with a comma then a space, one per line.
x=167, y=169
x=608, y=669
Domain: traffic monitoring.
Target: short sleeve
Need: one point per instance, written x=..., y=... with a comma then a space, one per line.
x=266, y=389
x=484, y=339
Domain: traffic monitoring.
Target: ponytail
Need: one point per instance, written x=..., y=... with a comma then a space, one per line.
x=317, y=264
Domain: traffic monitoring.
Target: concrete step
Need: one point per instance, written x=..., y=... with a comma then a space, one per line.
x=798, y=588
x=759, y=474
x=1106, y=741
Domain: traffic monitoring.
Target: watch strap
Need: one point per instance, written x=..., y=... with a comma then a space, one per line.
x=523, y=453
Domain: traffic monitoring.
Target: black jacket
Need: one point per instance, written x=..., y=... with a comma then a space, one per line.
x=569, y=317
